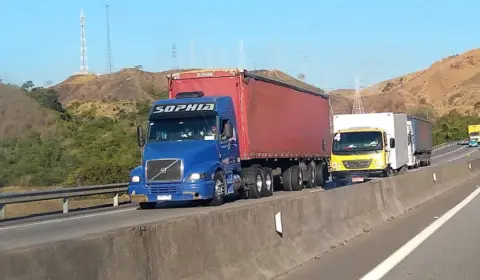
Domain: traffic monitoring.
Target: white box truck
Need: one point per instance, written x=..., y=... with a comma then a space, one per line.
x=369, y=145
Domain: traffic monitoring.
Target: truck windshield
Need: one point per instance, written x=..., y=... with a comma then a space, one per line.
x=351, y=142
x=474, y=134
x=179, y=129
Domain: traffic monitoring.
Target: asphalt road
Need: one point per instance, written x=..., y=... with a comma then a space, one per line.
x=30, y=231
x=421, y=244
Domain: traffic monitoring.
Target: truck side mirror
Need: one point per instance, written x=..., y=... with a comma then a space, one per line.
x=228, y=130
x=324, y=145
x=140, y=137
x=392, y=143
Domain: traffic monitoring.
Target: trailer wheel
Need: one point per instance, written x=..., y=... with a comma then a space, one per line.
x=296, y=178
x=321, y=174
x=287, y=180
x=312, y=175
x=417, y=163
x=256, y=181
x=268, y=182
x=148, y=205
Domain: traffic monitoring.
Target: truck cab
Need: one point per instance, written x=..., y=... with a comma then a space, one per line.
x=189, y=141
x=360, y=153
x=474, y=133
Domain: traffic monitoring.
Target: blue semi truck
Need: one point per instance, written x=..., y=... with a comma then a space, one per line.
x=231, y=133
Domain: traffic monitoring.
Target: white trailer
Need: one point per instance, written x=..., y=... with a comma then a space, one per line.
x=393, y=125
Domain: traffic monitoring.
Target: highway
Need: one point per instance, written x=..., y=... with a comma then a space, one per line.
x=437, y=240
x=30, y=231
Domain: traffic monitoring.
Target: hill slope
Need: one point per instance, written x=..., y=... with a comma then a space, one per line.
x=20, y=115
x=452, y=83
x=129, y=85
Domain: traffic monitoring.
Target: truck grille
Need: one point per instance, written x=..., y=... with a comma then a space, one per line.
x=164, y=170
x=356, y=164
x=159, y=189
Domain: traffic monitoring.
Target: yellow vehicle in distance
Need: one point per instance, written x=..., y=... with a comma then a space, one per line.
x=474, y=132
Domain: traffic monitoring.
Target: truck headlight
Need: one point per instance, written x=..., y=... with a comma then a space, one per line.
x=196, y=176
x=334, y=166
x=135, y=179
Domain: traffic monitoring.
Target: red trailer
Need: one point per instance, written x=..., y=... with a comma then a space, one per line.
x=275, y=120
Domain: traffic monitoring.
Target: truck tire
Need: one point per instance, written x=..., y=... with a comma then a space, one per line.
x=267, y=189
x=296, y=178
x=148, y=205
x=219, y=189
x=389, y=172
x=321, y=174
x=256, y=181
x=312, y=175
x=287, y=180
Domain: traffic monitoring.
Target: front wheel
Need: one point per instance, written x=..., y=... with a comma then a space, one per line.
x=389, y=172
x=219, y=189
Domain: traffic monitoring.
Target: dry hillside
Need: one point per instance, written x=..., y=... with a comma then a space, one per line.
x=20, y=115
x=451, y=83
x=448, y=84
x=126, y=84
x=133, y=85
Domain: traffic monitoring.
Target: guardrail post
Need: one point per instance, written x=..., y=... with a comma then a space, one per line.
x=65, y=205
x=2, y=211
x=115, y=199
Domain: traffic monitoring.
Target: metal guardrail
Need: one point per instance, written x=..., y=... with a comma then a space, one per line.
x=66, y=193
x=61, y=193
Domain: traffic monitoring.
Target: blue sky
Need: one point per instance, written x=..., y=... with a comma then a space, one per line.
x=329, y=41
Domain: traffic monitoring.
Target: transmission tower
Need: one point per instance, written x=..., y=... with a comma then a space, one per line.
x=174, y=57
x=83, y=48
x=357, y=101
x=241, y=56
x=331, y=112
x=192, y=54
x=210, y=58
x=109, y=44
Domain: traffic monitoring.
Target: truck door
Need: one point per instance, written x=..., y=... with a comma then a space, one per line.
x=230, y=154
x=410, y=148
x=386, y=148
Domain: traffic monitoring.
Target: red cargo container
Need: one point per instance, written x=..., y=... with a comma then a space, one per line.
x=274, y=119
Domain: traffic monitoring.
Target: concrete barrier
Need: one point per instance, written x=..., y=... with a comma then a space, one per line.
x=236, y=243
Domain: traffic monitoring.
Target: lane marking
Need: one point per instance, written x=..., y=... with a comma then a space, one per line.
x=456, y=150
x=464, y=155
x=453, y=159
x=393, y=260
x=444, y=161
x=65, y=219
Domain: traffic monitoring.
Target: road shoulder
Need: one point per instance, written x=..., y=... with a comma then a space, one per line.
x=363, y=253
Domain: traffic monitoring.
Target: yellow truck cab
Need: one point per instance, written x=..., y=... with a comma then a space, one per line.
x=378, y=148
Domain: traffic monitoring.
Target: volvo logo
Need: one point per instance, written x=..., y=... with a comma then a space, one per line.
x=163, y=170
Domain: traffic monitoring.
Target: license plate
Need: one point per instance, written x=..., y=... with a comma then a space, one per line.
x=164, y=197
x=358, y=179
